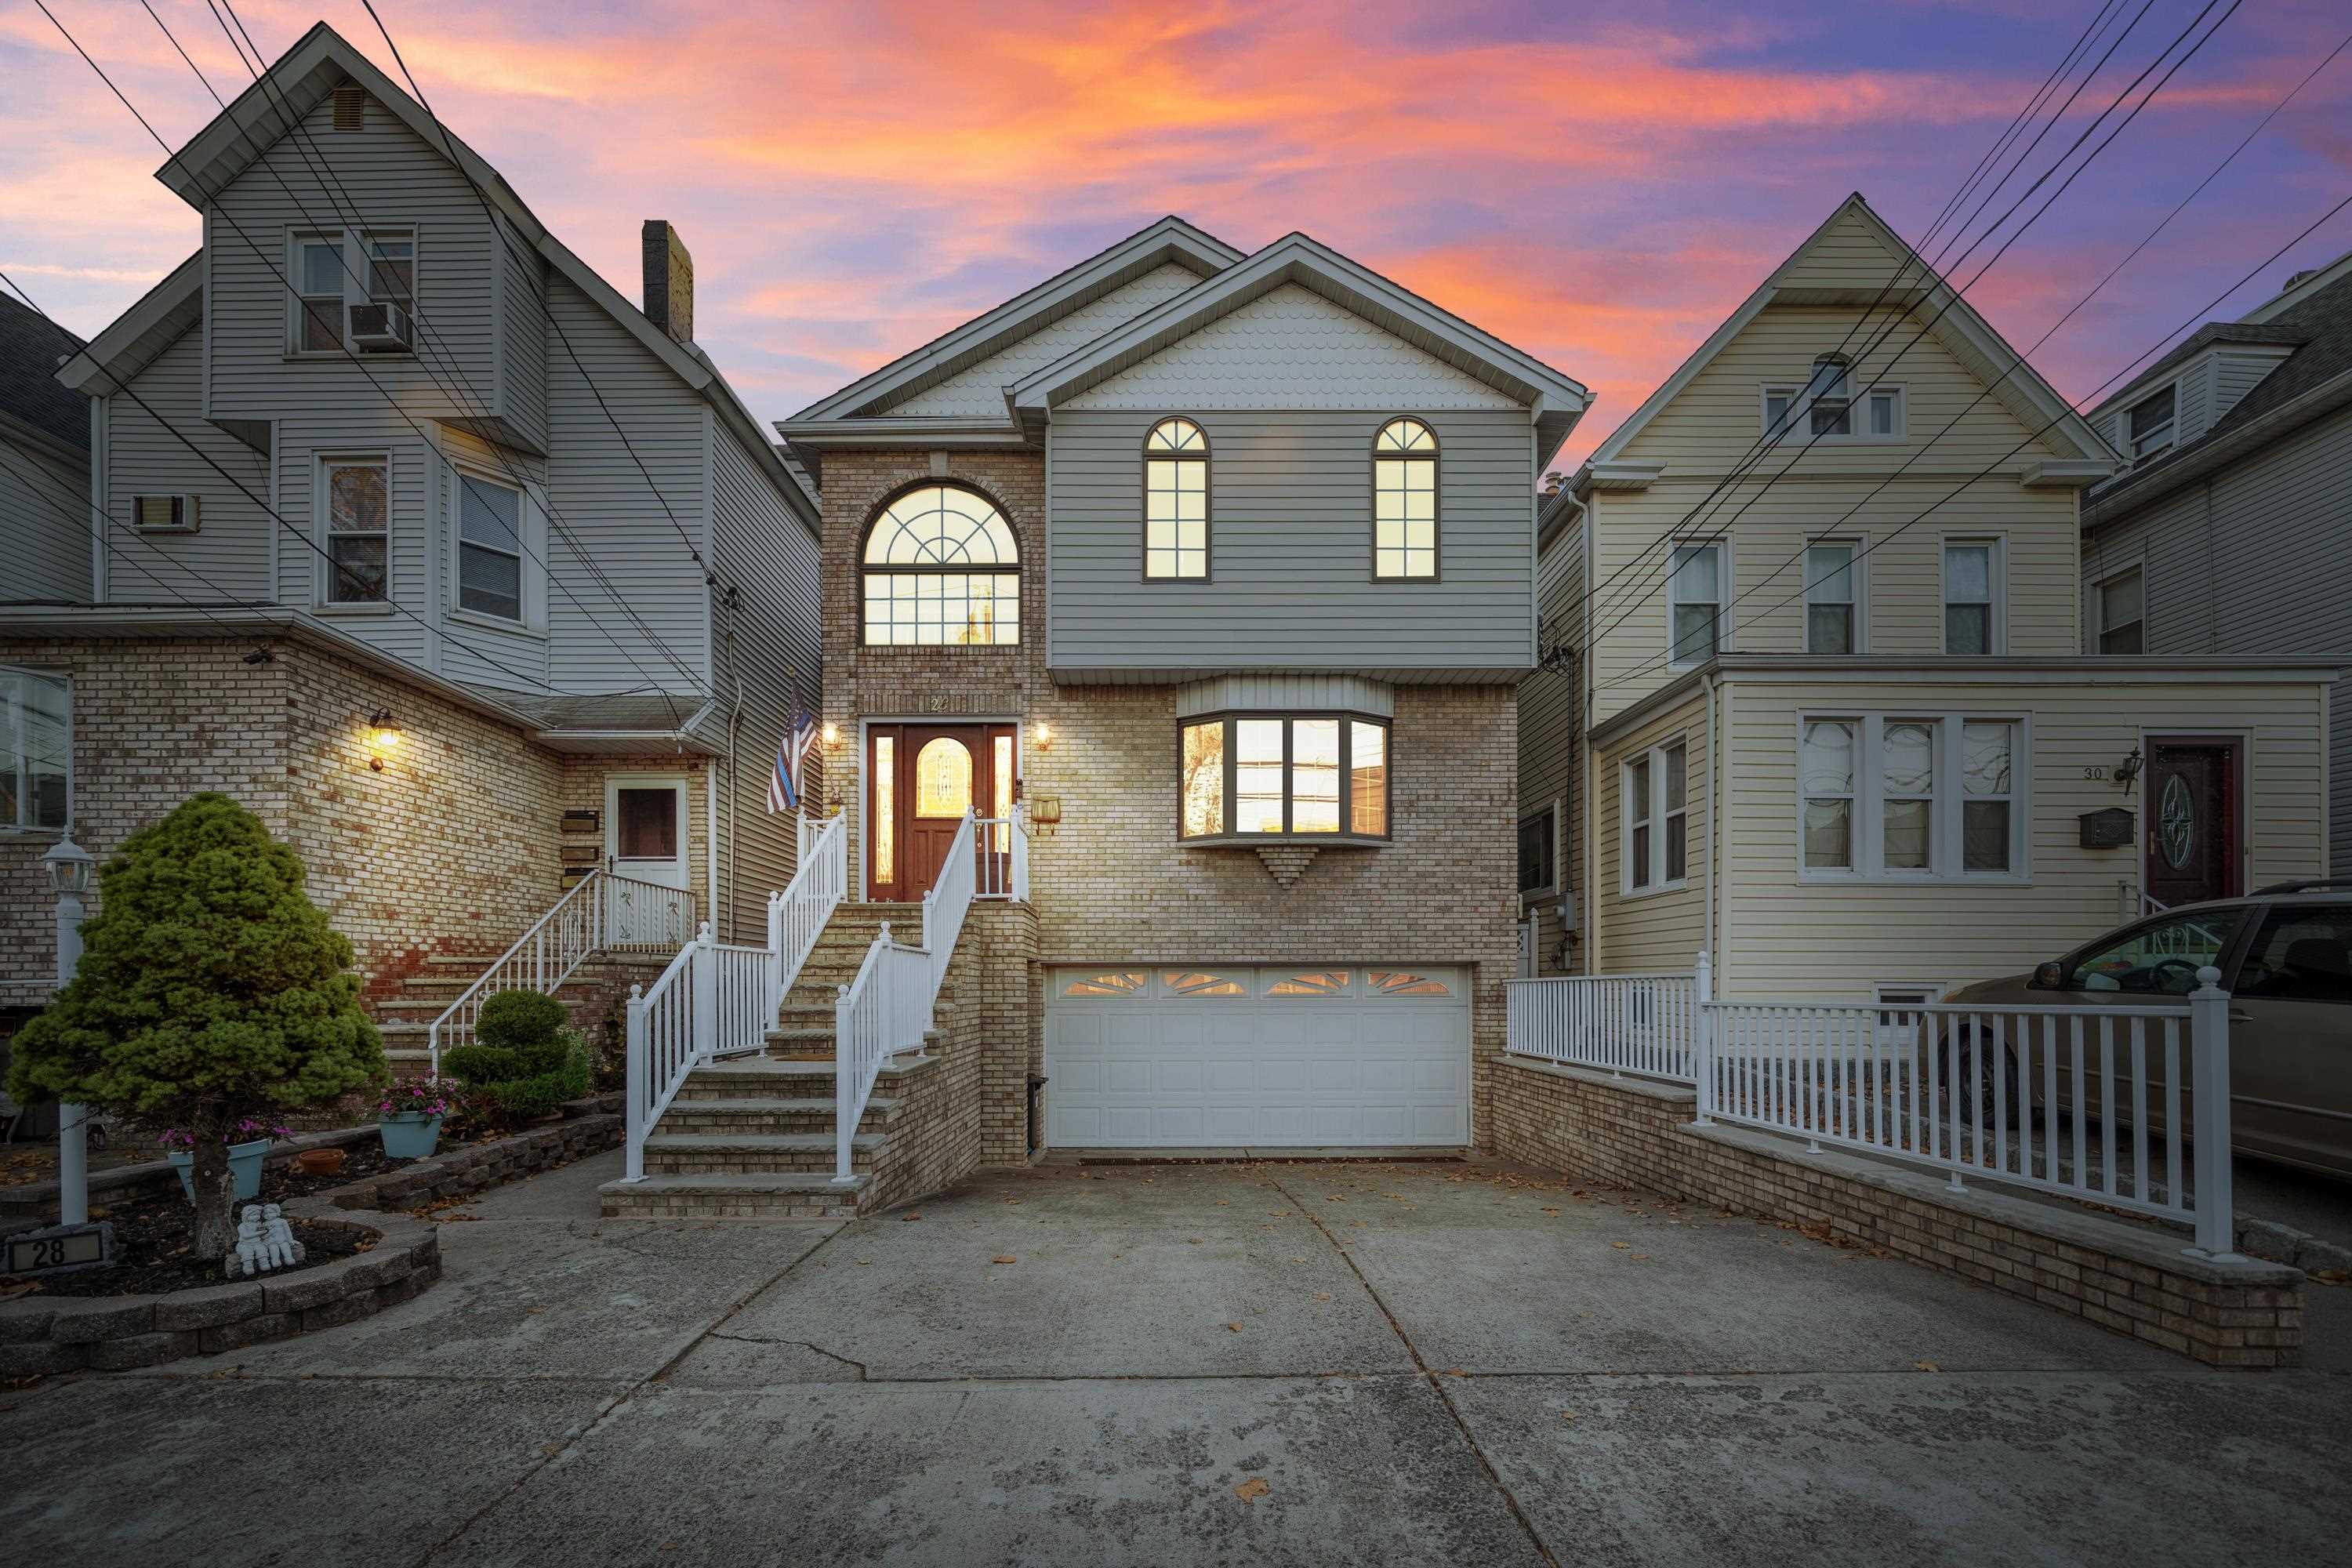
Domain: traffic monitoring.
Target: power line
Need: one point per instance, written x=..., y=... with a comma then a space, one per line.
x=2031, y=437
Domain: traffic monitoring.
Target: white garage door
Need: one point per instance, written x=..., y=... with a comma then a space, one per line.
x=1218, y=1056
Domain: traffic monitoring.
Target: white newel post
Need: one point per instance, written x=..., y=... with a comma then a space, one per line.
x=639, y=1088
x=704, y=974
x=1703, y=1036
x=2208, y=1037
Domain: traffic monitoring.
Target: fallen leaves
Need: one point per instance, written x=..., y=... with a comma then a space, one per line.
x=909, y=1218
x=1925, y=1366
x=1232, y=1328
x=1622, y=1246
x=1005, y=1257
x=1322, y=1295
x=1252, y=1489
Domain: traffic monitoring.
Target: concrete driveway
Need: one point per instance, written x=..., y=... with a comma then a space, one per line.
x=1458, y=1364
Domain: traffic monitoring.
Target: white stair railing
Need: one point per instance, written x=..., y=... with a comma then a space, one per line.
x=1001, y=863
x=888, y=1008
x=599, y=910
x=714, y=1000
x=797, y=916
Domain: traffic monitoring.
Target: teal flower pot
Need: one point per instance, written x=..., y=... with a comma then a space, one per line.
x=410, y=1135
x=243, y=1169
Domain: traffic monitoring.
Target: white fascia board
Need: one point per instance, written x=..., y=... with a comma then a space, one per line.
x=2067, y=473
x=133, y=340
x=1296, y=258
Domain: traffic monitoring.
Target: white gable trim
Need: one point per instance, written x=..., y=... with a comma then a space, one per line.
x=131, y=344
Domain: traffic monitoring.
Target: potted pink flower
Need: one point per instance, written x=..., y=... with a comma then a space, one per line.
x=247, y=1142
x=409, y=1118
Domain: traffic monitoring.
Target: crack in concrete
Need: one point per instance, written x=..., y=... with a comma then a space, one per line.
x=1495, y=1476
x=801, y=1344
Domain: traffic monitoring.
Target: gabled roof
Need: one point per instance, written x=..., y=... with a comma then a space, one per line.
x=1170, y=239
x=1914, y=285
x=1558, y=400
x=30, y=346
x=296, y=83
x=2315, y=376
x=133, y=340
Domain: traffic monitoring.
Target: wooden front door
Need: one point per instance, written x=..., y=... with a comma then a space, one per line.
x=2191, y=809
x=920, y=779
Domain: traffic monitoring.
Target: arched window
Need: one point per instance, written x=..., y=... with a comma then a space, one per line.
x=1175, y=500
x=941, y=567
x=1404, y=500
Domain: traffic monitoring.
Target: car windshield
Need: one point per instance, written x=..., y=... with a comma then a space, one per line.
x=2160, y=958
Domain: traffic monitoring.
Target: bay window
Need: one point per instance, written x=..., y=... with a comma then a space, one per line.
x=1654, y=804
x=36, y=751
x=1292, y=775
x=1906, y=796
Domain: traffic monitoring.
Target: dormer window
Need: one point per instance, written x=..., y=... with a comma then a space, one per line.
x=2150, y=425
x=1175, y=501
x=1404, y=500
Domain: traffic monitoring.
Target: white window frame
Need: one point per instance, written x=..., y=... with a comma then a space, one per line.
x=12, y=681
x=531, y=521
x=1654, y=758
x=2124, y=442
x=2098, y=605
x=357, y=276
x=1553, y=811
x=1723, y=597
x=323, y=578
x=1798, y=426
x=1996, y=585
x=1857, y=584
x=1946, y=847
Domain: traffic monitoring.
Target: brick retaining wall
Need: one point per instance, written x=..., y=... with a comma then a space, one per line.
x=2123, y=1277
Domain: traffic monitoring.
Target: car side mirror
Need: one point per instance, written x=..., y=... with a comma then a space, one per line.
x=2049, y=976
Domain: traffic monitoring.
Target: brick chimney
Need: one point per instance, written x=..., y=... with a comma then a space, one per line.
x=669, y=281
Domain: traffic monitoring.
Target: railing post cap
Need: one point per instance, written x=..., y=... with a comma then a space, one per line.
x=638, y=991
x=2207, y=979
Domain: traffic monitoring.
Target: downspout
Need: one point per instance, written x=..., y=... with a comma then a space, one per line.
x=711, y=837
x=1713, y=815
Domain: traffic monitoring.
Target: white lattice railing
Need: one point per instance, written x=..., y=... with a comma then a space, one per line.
x=1622, y=1023
x=599, y=912
x=888, y=1008
x=719, y=999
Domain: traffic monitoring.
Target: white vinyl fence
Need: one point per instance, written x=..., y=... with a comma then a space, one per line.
x=2106, y=1103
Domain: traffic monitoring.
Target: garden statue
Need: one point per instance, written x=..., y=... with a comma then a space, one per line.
x=264, y=1242
x=284, y=1250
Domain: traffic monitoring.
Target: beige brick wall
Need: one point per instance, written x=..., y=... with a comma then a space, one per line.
x=1638, y=1135
x=1113, y=884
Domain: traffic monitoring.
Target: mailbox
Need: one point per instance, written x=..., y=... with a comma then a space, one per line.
x=2111, y=828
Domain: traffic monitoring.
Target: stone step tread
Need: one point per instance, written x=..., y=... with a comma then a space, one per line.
x=758, y=1143
x=795, y=1105
x=782, y=1183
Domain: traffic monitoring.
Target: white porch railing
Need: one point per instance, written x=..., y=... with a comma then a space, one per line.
x=2108, y=1104
x=719, y=999
x=1001, y=864
x=1623, y=1023
x=600, y=910
x=2132, y=901
x=888, y=1008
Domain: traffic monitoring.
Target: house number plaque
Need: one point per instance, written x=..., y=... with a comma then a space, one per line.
x=59, y=1248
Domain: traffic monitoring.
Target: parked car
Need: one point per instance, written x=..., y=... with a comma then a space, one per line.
x=2286, y=957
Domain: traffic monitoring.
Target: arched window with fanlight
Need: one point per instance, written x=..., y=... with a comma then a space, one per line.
x=940, y=567
x=1175, y=501
x=1404, y=500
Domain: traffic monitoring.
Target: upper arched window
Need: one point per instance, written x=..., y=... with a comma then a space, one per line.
x=942, y=566
x=1404, y=500
x=1175, y=500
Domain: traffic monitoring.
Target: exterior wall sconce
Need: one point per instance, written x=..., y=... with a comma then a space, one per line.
x=68, y=867
x=832, y=736
x=1045, y=811
x=1042, y=734
x=2127, y=771
x=384, y=739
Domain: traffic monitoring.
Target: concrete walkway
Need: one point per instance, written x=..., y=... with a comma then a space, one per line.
x=1174, y=1364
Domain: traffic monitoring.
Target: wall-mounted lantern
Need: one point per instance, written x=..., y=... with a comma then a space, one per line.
x=1045, y=811
x=384, y=739
x=2127, y=771
x=832, y=736
x=1042, y=734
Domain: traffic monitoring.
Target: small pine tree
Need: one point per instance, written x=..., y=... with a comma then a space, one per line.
x=211, y=989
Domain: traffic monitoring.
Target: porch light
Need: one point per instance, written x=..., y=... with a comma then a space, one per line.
x=383, y=738
x=1044, y=735
x=2127, y=771
x=832, y=736
x=69, y=868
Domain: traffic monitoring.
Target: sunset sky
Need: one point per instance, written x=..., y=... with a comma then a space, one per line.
x=1597, y=186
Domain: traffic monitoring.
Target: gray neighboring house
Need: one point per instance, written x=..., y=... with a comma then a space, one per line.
x=472, y=578
x=43, y=460
x=2228, y=533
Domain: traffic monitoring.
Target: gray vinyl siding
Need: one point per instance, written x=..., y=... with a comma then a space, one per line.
x=44, y=523
x=482, y=651
x=384, y=176
x=2252, y=563
x=611, y=510
x=2236, y=374
x=228, y=557
x=1548, y=743
x=524, y=342
x=774, y=656
x=1290, y=548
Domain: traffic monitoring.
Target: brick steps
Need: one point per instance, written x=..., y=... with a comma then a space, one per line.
x=756, y=1153
x=766, y=1196
x=812, y=1113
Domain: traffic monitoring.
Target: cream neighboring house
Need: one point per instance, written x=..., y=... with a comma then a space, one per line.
x=1837, y=729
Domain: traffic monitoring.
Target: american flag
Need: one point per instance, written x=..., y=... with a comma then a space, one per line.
x=786, y=783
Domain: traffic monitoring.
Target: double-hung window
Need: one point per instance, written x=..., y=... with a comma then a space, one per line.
x=333, y=268
x=1905, y=796
x=1539, y=854
x=356, y=496
x=1972, y=581
x=1832, y=606
x=391, y=269
x=36, y=751
x=1694, y=603
x=2122, y=601
x=318, y=293
x=1304, y=775
x=1827, y=409
x=489, y=547
x=1654, y=803
x=2151, y=425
